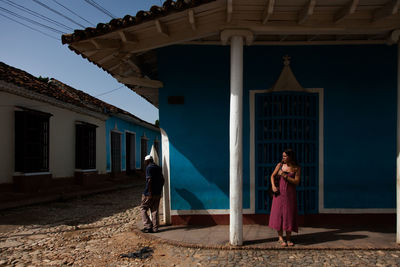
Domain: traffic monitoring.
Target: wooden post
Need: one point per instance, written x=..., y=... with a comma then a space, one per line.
x=235, y=143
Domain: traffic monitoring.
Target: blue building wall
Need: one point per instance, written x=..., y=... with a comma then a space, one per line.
x=122, y=127
x=359, y=119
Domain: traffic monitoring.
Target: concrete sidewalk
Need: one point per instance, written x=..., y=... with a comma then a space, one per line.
x=262, y=237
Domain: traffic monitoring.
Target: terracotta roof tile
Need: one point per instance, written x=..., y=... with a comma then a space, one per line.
x=58, y=90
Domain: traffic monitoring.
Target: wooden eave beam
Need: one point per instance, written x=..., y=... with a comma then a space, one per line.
x=346, y=11
x=105, y=43
x=311, y=37
x=176, y=38
x=139, y=81
x=95, y=43
x=269, y=9
x=133, y=65
x=375, y=37
x=340, y=37
x=390, y=8
x=192, y=19
x=90, y=53
x=161, y=28
x=105, y=59
x=283, y=38
x=307, y=11
x=111, y=69
x=313, y=42
x=321, y=29
x=123, y=72
x=229, y=10
x=127, y=37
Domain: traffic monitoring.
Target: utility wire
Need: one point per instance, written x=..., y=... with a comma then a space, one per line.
x=30, y=20
x=109, y=91
x=58, y=13
x=27, y=10
x=97, y=6
x=30, y=27
x=73, y=12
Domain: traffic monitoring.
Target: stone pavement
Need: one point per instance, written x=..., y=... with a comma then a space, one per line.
x=96, y=229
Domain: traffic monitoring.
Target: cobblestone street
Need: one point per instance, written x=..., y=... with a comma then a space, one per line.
x=96, y=230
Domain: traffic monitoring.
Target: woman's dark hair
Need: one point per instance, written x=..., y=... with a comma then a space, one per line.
x=292, y=157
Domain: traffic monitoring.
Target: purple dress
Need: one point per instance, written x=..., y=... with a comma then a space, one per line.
x=284, y=207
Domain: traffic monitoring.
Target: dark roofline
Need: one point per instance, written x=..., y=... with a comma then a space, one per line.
x=168, y=7
x=85, y=57
x=61, y=91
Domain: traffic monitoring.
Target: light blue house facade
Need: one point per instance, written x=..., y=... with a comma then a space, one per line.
x=129, y=140
x=349, y=161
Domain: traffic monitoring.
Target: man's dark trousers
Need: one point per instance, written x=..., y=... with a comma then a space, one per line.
x=151, y=204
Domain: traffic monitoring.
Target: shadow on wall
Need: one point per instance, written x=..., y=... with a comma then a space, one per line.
x=200, y=163
x=194, y=203
x=198, y=128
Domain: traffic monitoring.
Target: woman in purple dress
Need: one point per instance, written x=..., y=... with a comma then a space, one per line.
x=283, y=215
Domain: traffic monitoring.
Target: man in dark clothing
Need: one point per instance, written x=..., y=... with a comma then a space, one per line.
x=151, y=195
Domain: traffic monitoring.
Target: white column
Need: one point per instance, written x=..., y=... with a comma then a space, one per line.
x=398, y=146
x=235, y=143
x=165, y=170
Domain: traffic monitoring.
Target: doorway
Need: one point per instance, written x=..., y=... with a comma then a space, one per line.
x=287, y=120
x=130, y=149
x=115, y=152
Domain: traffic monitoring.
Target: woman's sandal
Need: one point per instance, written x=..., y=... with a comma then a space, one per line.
x=282, y=243
x=290, y=243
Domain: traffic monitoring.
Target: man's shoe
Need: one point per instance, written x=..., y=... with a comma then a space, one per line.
x=145, y=230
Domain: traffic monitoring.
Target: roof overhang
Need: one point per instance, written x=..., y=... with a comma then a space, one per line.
x=125, y=47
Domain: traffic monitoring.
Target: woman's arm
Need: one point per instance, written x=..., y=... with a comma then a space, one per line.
x=277, y=168
x=296, y=179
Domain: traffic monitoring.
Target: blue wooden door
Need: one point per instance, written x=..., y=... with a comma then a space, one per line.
x=287, y=120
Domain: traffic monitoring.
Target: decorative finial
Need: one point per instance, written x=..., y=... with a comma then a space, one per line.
x=286, y=60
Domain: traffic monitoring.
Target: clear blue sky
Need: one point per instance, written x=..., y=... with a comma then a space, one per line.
x=41, y=55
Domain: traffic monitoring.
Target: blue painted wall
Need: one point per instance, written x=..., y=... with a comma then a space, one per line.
x=122, y=127
x=359, y=119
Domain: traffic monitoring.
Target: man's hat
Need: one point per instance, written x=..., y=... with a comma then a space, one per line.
x=148, y=157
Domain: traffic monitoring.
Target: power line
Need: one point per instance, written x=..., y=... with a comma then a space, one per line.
x=30, y=27
x=73, y=12
x=36, y=14
x=102, y=9
x=109, y=91
x=58, y=13
x=30, y=20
